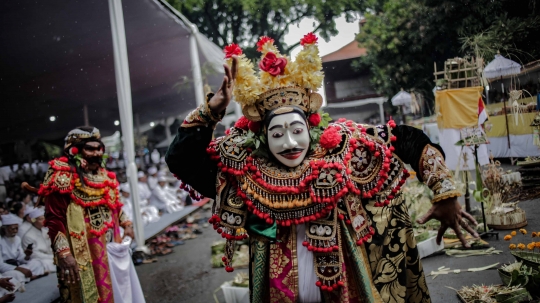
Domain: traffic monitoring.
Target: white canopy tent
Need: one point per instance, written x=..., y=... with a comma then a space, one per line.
x=500, y=67
x=211, y=52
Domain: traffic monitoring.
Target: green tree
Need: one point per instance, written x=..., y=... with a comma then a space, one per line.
x=405, y=37
x=243, y=21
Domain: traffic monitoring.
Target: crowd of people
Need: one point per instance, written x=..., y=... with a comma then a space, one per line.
x=159, y=194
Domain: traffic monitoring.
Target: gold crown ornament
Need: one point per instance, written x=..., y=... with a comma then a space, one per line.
x=280, y=81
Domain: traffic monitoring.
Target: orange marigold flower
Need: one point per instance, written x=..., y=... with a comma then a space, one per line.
x=513, y=233
x=507, y=238
x=534, y=234
x=521, y=246
x=530, y=246
x=523, y=231
x=537, y=244
x=512, y=246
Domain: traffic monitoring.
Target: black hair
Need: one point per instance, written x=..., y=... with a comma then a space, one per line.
x=16, y=207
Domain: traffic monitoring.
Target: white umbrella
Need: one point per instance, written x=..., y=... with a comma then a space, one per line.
x=401, y=98
x=500, y=67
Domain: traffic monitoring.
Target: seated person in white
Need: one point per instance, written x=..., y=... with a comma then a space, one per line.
x=19, y=209
x=13, y=257
x=7, y=288
x=38, y=237
x=152, y=177
x=125, y=199
x=149, y=213
x=163, y=199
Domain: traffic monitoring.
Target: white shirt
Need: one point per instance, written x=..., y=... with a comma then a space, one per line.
x=41, y=248
x=152, y=182
x=23, y=228
x=144, y=193
x=11, y=249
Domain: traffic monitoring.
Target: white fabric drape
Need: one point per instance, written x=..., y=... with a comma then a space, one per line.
x=521, y=146
x=308, y=292
x=126, y=286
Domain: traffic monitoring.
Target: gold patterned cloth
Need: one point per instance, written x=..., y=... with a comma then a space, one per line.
x=83, y=214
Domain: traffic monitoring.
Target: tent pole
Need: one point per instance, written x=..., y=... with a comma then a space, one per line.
x=505, y=115
x=85, y=113
x=381, y=112
x=123, y=87
x=196, y=65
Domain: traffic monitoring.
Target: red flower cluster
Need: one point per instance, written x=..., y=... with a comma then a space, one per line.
x=314, y=119
x=309, y=39
x=232, y=50
x=254, y=126
x=272, y=64
x=242, y=123
x=262, y=41
x=74, y=150
x=330, y=138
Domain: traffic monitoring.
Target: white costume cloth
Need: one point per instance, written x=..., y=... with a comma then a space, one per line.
x=41, y=249
x=126, y=286
x=308, y=292
x=12, y=249
x=164, y=200
x=23, y=228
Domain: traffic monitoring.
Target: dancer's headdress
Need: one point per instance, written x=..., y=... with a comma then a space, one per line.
x=280, y=81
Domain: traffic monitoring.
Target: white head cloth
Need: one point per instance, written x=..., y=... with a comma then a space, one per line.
x=11, y=219
x=140, y=174
x=152, y=170
x=125, y=187
x=36, y=212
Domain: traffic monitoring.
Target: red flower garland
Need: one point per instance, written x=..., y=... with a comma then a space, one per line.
x=330, y=138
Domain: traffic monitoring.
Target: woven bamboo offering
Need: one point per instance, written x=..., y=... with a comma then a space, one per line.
x=498, y=185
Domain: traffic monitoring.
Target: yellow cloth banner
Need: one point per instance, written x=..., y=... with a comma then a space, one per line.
x=498, y=128
x=457, y=108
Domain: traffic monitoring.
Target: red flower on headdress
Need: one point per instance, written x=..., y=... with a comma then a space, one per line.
x=242, y=123
x=228, y=131
x=262, y=41
x=330, y=138
x=231, y=50
x=272, y=64
x=74, y=150
x=111, y=175
x=309, y=39
x=314, y=119
x=254, y=126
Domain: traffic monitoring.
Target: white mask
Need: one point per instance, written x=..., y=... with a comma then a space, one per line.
x=288, y=139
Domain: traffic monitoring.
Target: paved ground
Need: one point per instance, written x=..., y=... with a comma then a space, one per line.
x=187, y=275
